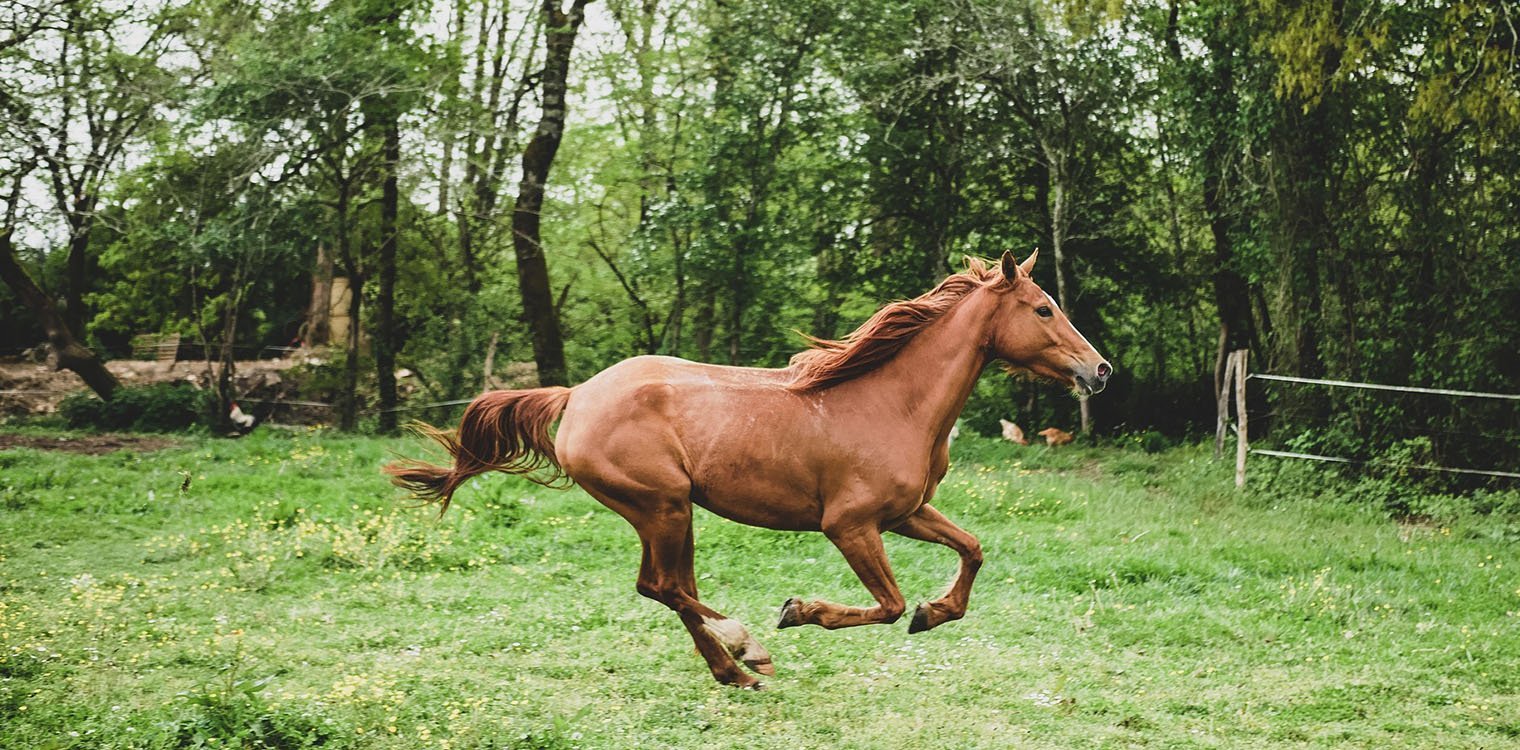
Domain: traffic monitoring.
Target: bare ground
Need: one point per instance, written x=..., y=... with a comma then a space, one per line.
x=32, y=388
x=93, y=445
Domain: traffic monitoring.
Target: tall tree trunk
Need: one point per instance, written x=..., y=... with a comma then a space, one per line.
x=221, y=417
x=450, y=100
x=1232, y=297
x=532, y=268
x=385, y=302
x=738, y=287
x=705, y=322
x=348, y=402
x=71, y=354
x=348, y=398
x=1309, y=143
x=678, y=306
x=78, y=273
x=1060, y=225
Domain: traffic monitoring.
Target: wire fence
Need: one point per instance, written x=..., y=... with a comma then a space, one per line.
x=1382, y=387
x=323, y=405
x=1368, y=462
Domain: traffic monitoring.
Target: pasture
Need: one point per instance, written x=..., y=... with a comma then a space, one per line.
x=275, y=592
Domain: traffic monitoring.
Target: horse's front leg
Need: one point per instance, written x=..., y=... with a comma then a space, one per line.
x=929, y=525
x=862, y=548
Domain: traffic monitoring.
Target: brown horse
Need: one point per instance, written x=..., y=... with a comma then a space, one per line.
x=850, y=439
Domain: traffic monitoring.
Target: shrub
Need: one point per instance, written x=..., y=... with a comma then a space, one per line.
x=162, y=407
x=991, y=400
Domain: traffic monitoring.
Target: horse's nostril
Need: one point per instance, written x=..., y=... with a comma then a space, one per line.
x=1104, y=370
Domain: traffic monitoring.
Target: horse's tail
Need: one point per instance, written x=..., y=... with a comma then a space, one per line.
x=500, y=431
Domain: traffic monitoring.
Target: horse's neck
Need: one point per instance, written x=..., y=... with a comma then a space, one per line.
x=928, y=382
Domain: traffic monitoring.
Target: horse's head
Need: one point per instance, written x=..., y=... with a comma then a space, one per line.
x=1030, y=332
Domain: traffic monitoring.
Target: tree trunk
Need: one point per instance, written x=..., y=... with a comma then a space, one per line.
x=221, y=418
x=348, y=398
x=1309, y=142
x=78, y=274
x=1232, y=297
x=704, y=323
x=1059, y=224
x=71, y=354
x=385, y=302
x=348, y=402
x=738, y=284
x=672, y=335
x=532, y=268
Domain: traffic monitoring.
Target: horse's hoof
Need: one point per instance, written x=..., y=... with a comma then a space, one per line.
x=740, y=681
x=791, y=614
x=761, y=666
x=920, y=621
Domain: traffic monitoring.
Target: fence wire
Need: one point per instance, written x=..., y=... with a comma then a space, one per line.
x=1386, y=387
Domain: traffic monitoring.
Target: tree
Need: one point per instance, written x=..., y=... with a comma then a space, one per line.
x=71, y=355
x=317, y=81
x=74, y=94
x=539, y=310
x=1202, y=89
x=1064, y=78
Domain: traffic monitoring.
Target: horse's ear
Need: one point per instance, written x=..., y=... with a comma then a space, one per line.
x=1012, y=271
x=1028, y=265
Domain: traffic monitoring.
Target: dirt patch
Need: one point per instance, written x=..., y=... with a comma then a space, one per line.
x=93, y=445
x=28, y=388
x=271, y=390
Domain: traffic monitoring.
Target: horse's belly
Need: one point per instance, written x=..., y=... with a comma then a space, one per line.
x=784, y=513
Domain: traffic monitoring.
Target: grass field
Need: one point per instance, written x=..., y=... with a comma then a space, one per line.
x=274, y=591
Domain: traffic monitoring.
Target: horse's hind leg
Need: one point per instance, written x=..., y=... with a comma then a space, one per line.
x=862, y=548
x=929, y=525
x=666, y=575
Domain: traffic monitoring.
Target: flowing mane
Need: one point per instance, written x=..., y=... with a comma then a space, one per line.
x=885, y=334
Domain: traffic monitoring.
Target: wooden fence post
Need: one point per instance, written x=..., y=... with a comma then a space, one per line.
x=1223, y=424
x=1241, y=441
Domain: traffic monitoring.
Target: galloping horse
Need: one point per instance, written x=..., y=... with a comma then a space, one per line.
x=850, y=439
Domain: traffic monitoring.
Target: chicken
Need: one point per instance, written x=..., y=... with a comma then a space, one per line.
x=1055, y=436
x=243, y=422
x=1013, y=433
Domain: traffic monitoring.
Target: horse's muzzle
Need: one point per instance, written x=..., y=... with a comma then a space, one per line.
x=1093, y=381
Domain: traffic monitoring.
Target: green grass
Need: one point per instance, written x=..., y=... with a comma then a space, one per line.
x=288, y=598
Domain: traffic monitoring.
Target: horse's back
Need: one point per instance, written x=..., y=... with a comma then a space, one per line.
x=729, y=435
x=652, y=397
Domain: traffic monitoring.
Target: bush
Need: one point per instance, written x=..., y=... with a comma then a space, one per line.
x=991, y=400
x=163, y=407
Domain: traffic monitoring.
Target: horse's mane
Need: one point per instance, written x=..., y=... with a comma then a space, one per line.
x=884, y=334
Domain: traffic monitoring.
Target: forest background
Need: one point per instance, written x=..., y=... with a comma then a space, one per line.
x=1330, y=184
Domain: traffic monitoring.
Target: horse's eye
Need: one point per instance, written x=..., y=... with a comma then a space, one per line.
x=1043, y=311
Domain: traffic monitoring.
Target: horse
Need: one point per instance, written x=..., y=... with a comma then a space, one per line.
x=850, y=439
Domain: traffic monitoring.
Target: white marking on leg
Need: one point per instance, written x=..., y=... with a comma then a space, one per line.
x=739, y=643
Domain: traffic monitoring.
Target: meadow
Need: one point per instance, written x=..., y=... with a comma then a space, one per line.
x=275, y=592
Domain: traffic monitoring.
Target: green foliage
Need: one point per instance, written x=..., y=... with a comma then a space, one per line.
x=163, y=407
x=231, y=711
x=991, y=400
x=732, y=173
